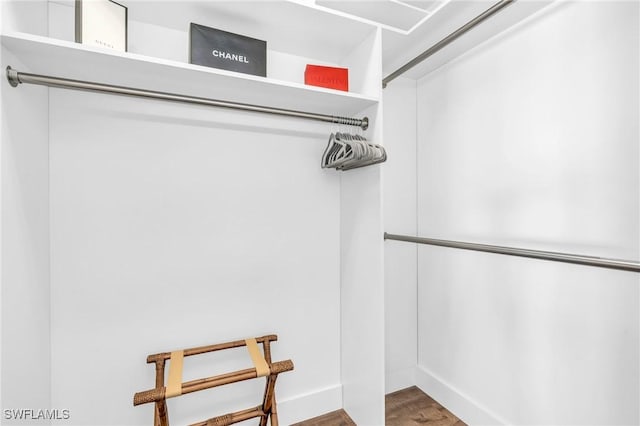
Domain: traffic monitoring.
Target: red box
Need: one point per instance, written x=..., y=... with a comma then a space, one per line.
x=330, y=77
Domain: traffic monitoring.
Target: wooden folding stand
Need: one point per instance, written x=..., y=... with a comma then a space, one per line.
x=262, y=367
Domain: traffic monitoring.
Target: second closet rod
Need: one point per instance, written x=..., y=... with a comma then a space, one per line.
x=580, y=259
x=15, y=77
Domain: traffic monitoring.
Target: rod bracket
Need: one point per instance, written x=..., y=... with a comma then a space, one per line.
x=12, y=77
x=365, y=123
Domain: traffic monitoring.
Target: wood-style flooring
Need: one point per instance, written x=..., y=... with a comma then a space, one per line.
x=411, y=407
x=334, y=418
x=407, y=407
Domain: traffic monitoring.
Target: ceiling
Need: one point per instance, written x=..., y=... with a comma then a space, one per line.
x=393, y=15
x=412, y=26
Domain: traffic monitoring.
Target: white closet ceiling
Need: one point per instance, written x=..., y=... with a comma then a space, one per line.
x=412, y=26
x=393, y=15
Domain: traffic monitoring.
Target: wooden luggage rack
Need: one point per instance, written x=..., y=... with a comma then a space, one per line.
x=263, y=367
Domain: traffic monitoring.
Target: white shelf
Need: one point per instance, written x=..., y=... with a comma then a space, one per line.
x=287, y=26
x=42, y=55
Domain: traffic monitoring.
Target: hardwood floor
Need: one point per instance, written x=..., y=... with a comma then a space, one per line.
x=407, y=407
x=334, y=418
x=411, y=406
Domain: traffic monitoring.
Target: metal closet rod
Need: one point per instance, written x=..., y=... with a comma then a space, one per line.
x=625, y=265
x=16, y=77
x=447, y=40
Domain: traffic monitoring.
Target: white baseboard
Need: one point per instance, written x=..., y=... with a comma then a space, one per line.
x=312, y=404
x=461, y=405
x=400, y=379
x=322, y=401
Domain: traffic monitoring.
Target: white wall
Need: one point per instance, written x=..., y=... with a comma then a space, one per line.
x=362, y=272
x=24, y=231
x=162, y=226
x=399, y=180
x=25, y=249
x=177, y=226
x=531, y=140
x=1, y=121
x=362, y=368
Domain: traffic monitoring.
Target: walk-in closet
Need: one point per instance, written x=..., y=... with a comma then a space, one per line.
x=406, y=212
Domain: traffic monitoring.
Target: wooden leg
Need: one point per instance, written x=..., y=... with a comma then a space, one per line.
x=274, y=411
x=161, y=413
x=266, y=346
x=161, y=418
x=265, y=406
x=269, y=386
x=269, y=398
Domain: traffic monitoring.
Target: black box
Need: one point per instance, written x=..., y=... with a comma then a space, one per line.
x=220, y=49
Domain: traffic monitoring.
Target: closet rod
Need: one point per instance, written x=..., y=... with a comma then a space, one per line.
x=625, y=265
x=447, y=40
x=16, y=77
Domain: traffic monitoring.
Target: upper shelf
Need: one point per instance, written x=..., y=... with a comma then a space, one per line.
x=295, y=27
x=42, y=55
